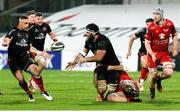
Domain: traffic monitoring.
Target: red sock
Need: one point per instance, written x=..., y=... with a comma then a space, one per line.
x=39, y=82
x=24, y=86
x=144, y=73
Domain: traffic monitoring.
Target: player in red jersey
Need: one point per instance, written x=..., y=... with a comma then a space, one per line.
x=142, y=52
x=157, y=43
x=127, y=90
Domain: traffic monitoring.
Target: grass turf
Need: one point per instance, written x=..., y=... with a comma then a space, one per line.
x=75, y=91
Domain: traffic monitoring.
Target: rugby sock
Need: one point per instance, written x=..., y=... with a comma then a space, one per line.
x=24, y=86
x=39, y=82
x=143, y=75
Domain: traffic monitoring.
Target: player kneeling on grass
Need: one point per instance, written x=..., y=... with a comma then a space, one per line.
x=127, y=89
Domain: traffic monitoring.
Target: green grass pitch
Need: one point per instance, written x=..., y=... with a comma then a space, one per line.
x=75, y=91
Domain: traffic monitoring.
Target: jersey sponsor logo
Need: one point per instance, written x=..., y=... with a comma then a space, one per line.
x=36, y=30
x=40, y=36
x=22, y=43
x=18, y=34
x=162, y=36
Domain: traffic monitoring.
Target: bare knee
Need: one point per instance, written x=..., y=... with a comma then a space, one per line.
x=101, y=86
x=42, y=64
x=153, y=73
x=168, y=72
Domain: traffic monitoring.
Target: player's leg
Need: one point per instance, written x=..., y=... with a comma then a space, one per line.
x=39, y=81
x=41, y=61
x=101, y=83
x=144, y=72
x=19, y=76
x=152, y=75
x=167, y=66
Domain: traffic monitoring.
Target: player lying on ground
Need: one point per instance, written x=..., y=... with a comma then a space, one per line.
x=127, y=89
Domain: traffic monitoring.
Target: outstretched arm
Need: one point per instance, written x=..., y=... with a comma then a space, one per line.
x=53, y=36
x=131, y=40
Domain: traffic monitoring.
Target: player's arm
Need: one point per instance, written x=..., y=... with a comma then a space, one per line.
x=6, y=41
x=72, y=64
x=35, y=51
x=53, y=36
x=98, y=56
x=175, y=44
x=130, y=43
x=149, y=50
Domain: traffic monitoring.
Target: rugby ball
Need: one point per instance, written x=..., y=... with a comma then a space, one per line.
x=57, y=46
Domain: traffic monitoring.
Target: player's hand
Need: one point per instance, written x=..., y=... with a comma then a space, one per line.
x=45, y=54
x=55, y=39
x=174, y=53
x=81, y=59
x=128, y=54
x=70, y=66
x=153, y=57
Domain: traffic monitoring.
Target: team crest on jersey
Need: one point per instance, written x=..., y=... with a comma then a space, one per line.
x=18, y=34
x=162, y=36
x=36, y=30
x=44, y=29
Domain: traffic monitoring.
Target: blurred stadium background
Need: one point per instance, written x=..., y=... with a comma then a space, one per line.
x=117, y=19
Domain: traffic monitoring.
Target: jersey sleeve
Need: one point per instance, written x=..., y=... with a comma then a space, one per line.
x=101, y=45
x=140, y=33
x=148, y=34
x=10, y=34
x=48, y=28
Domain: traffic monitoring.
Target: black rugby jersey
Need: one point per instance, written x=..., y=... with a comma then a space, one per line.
x=19, y=45
x=103, y=43
x=38, y=35
x=141, y=34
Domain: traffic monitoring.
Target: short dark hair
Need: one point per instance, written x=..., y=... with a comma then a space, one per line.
x=30, y=12
x=149, y=20
x=20, y=18
x=92, y=27
x=39, y=14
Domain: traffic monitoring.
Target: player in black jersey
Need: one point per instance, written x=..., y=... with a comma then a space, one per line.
x=38, y=32
x=142, y=53
x=19, y=45
x=104, y=55
x=31, y=17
